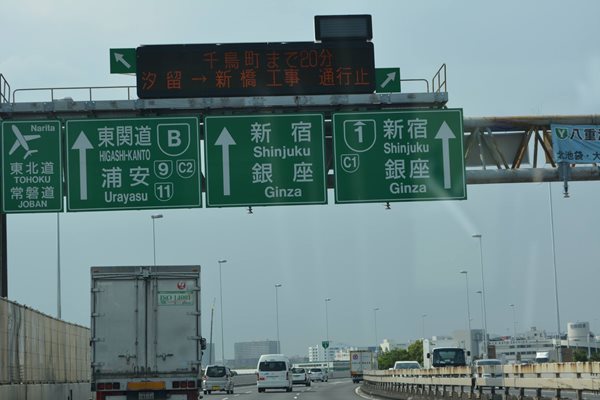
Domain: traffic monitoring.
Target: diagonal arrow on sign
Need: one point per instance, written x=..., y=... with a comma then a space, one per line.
x=225, y=140
x=82, y=144
x=120, y=58
x=391, y=77
x=445, y=134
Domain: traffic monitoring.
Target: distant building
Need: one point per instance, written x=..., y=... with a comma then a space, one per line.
x=335, y=352
x=524, y=346
x=389, y=344
x=248, y=353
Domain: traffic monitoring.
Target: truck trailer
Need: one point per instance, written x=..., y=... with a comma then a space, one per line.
x=360, y=361
x=145, y=333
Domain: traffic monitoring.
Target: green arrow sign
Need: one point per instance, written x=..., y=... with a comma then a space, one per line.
x=325, y=344
x=133, y=163
x=399, y=156
x=265, y=160
x=122, y=61
x=387, y=80
x=31, y=166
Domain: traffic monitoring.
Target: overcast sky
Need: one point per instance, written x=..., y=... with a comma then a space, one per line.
x=503, y=58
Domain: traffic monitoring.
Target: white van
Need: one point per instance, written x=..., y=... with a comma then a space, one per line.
x=274, y=372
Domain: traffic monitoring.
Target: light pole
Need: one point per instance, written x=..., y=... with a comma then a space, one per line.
x=375, y=318
x=514, y=322
x=221, y=295
x=327, y=300
x=468, y=307
x=485, y=330
x=479, y=292
x=58, y=288
x=277, y=286
x=154, y=218
x=555, y=273
x=423, y=324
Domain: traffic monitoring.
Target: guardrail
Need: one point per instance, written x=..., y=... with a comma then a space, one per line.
x=575, y=378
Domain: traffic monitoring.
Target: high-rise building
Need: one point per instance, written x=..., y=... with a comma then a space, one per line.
x=247, y=353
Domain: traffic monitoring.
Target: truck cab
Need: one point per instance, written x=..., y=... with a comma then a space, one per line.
x=448, y=357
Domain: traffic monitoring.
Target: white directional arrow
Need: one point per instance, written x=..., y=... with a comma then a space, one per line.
x=225, y=140
x=119, y=58
x=391, y=77
x=445, y=134
x=82, y=144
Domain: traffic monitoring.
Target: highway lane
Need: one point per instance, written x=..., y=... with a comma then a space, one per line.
x=338, y=389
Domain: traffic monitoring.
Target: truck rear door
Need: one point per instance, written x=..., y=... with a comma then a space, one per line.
x=173, y=327
x=118, y=312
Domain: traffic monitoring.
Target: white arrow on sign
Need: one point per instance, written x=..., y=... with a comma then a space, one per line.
x=445, y=134
x=82, y=144
x=225, y=140
x=391, y=77
x=120, y=58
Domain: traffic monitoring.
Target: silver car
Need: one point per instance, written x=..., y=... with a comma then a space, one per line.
x=218, y=378
x=300, y=375
x=318, y=374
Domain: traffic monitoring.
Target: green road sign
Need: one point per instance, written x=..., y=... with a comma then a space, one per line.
x=387, y=80
x=31, y=166
x=122, y=61
x=265, y=160
x=399, y=156
x=325, y=344
x=117, y=164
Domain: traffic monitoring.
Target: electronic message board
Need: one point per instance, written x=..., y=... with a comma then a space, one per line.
x=255, y=69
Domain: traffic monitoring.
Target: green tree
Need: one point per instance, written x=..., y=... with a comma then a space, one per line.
x=580, y=355
x=386, y=359
x=415, y=351
x=595, y=356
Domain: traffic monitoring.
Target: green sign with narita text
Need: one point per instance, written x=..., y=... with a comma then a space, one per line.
x=407, y=155
x=31, y=166
x=265, y=160
x=135, y=163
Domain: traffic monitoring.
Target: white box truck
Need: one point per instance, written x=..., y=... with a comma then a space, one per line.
x=145, y=332
x=444, y=353
x=360, y=361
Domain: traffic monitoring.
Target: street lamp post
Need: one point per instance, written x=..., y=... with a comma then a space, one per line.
x=480, y=293
x=514, y=322
x=423, y=325
x=58, y=288
x=555, y=272
x=468, y=307
x=327, y=300
x=221, y=296
x=376, y=340
x=277, y=286
x=154, y=218
x=485, y=330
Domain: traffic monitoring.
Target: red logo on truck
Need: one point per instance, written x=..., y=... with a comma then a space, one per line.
x=181, y=285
